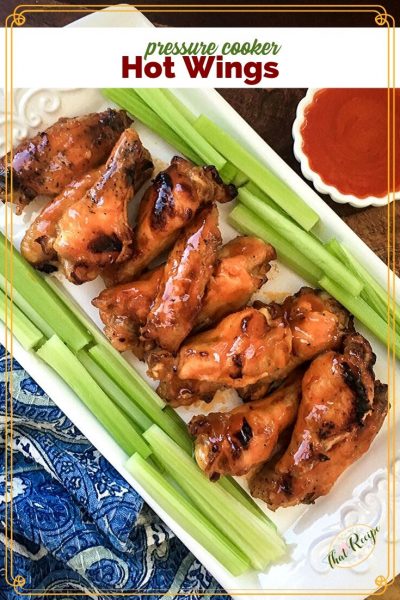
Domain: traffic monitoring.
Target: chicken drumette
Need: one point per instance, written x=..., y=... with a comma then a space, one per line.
x=45, y=164
x=241, y=269
x=169, y=204
x=94, y=232
x=37, y=244
x=251, y=349
x=183, y=283
x=237, y=441
x=341, y=411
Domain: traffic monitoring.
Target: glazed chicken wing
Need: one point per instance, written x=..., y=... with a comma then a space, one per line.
x=37, y=244
x=169, y=205
x=124, y=310
x=241, y=268
x=341, y=411
x=253, y=348
x=94, y=232
x=237, y=441
x=64, y=152
x=243, y=264
x=184, y=281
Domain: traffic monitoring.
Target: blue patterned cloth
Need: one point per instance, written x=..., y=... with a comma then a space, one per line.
x=78, y=526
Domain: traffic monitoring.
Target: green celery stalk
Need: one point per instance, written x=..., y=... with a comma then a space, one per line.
x=255, y=190
x=114, y=392
x=303, y=241
x=26, y=332
x=26, y=308
x=142, y=395
x=187, y=516
x=245, y=221
x=240, y=179
x=228, y=173
x=234, y=489
x=362, y=311
x=128, y=380
x=172, y=116
x=259, y=541
x=183, y=109
x=374, y=294
x=125, y=376
x=270, y=183
x=56, y=354
x=42, y=300
x=130, y=101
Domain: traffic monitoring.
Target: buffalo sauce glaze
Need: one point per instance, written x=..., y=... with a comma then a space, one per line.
x=345, y=137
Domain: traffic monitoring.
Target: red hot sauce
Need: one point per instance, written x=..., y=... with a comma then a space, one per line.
x=345, y=137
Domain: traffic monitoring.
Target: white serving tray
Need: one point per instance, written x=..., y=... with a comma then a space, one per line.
x=361, y=493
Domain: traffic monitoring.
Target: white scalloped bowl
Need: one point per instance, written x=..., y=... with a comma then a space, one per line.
x=314, y=177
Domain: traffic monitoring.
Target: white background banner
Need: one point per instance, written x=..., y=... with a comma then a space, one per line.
x=92, y=57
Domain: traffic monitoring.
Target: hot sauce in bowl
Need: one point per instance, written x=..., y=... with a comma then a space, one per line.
x=344, y=135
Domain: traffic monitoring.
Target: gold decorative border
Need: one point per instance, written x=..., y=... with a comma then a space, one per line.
x=382, y=18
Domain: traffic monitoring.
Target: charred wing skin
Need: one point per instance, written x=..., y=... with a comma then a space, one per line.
x=242, y=268
x=235, y=442
x=38, y=241
x=185, y=278
x=71, y=147
x=94, y=232
x=338, y=418
x=124, y=310
x=168, y=206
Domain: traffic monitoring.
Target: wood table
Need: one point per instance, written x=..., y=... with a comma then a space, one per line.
x=271, y=113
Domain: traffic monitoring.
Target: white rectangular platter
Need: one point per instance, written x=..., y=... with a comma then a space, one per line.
x=360, y=495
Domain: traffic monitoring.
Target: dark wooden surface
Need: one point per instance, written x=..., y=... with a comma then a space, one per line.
x=269, y=112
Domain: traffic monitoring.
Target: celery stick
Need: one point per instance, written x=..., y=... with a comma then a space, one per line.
x=114, y=392
x=171, y=115
x=130, y=101
x=183, y=109
x=56, y=354
x=240, y=179
x=228, y=173
x=26, y=333
x=245, y=221
x=304, y=242
x=270, y=183
x=259, y=541
x=26, y=308
x=374, y=294
x=34, y=289
x=123, y=373
x=142, y=395
x=187, y=516
x=172, y=414
x=255, y=190
x=234, y=489
x=362, y=311
x=125, y=376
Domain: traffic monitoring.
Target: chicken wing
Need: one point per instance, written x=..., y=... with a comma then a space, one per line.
x=94, y=232
x=169, y=205
x=124, y=310
x=64, y=152
x=242, y=267
x=38, y=241
x=340, y=413
x=237, y=441
x=253, y=348
x=184, y=281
